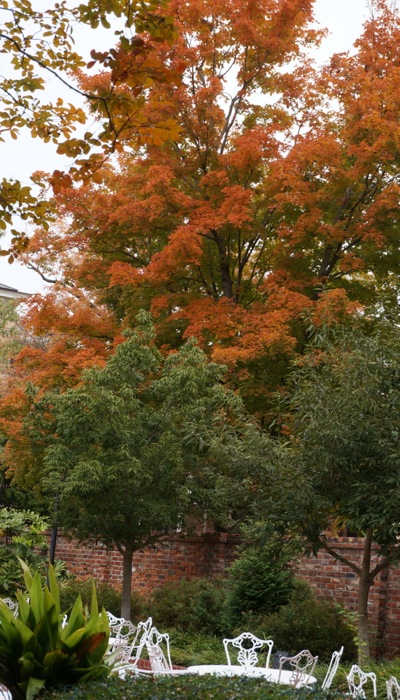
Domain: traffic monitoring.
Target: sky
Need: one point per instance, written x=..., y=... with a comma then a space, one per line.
x=342, y=18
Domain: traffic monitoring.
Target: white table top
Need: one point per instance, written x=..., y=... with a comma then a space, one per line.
x=270, y=674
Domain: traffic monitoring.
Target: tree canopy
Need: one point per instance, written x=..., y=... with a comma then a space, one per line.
x=276, y=198
x=142, y=445
x=38, y=44
x=339, y=467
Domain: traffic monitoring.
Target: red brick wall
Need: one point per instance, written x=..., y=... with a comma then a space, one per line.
x=331, y=579
x=210, y=555
x=176, y=559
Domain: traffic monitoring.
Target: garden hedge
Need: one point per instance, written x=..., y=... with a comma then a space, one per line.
x=185, y=688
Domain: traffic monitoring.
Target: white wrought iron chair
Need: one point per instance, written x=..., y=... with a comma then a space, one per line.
x=247, y=645
x=301, y=667
x=392, y=689
x=159, y=654
x=357, y=678
x=332, y=668
x=116, y=623
x=129, y=643
x=12, y=604
x=4, y=693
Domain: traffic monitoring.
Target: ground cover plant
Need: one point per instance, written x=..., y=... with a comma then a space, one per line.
x=185, y=688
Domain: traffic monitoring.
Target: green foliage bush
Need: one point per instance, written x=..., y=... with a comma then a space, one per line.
x=187, y=688
x=190, y=606
x=260, y=582
x=309, y=623
x=108, y=597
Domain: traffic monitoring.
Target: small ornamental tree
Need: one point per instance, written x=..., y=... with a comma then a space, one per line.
x=341, y=465
x=143, y=443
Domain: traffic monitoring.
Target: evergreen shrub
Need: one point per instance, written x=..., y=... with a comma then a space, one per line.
x=307, y=622
x=260, y=582
x=190, y=606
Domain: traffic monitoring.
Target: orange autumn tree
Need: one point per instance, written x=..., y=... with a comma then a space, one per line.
x=184, y=227
x=37, y=46
x=277, y=199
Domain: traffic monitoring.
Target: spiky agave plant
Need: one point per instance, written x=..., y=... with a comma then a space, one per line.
x=36, y=651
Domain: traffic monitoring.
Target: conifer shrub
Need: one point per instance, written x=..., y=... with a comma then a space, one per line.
x=260, y=582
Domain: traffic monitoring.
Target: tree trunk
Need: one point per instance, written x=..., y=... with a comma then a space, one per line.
x=127, y=558
x=363, y=592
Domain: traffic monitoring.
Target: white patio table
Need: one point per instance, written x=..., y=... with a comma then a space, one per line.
x=269, y=674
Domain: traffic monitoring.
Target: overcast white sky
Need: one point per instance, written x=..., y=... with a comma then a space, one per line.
x=343, y=18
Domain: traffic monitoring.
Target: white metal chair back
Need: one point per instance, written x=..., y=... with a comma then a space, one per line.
x=332, y=668
x=159, y=656
x=122, y=639
x=12, y=604
x=248, y=645
x=357, y=678
x=130, y=641
x=393, y=689
x=302, y=666
x=116, y=623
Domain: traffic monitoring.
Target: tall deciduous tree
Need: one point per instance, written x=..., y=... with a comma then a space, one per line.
x=141, y=445
x=341, y=465
x=187, y=228
x=277, y=198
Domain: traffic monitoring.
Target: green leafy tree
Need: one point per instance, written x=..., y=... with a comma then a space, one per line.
x=341, y=465
x=142, y=444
